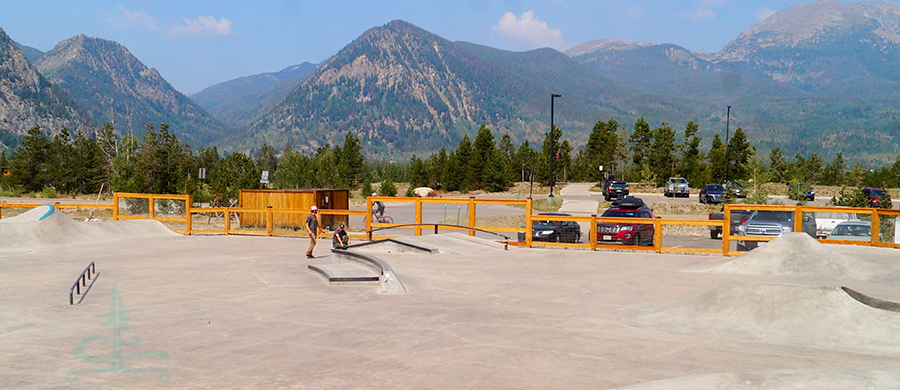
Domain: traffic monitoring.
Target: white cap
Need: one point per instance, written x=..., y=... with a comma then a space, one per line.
x=314, y=208
x=374, y=194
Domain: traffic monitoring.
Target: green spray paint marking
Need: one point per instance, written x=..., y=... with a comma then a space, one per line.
x=117, y=321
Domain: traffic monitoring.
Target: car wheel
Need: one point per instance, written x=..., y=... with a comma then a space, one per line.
x=713, y=234
x=812, y=198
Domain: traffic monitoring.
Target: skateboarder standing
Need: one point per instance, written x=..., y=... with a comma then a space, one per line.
x=312, y=227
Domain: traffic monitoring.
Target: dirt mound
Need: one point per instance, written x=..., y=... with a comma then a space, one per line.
x=780, y=379
x=796, y=254
x=781, y=314
x=45, y=226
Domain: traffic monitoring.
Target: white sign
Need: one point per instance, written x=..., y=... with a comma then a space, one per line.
x=601, y=168
x=202, y=173
x=265, y=177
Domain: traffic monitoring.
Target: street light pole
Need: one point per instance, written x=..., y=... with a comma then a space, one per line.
x=552, y=144
x=727, y=120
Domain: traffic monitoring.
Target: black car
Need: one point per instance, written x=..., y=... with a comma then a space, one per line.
x=615, y=189
x=809, y=194
x=712, y=193
x=554, y=231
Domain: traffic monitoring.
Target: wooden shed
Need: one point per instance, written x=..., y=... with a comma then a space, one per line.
x=326, y=199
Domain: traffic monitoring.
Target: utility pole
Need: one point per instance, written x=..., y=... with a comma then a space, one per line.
x=727, y=120
x=552, y=144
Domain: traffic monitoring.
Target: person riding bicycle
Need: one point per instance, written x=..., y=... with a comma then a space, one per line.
x=378, y=208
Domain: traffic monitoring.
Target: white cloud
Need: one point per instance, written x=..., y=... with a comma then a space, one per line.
x=706, y=9
x=762, y=13
x=529, y=28
x=125, y=19
x=637, y=12
x=201, y=26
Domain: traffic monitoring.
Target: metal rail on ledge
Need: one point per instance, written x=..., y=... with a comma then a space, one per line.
x=436, y=225
x=82, y=279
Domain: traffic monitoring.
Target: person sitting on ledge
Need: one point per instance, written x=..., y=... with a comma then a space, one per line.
x=340, y=240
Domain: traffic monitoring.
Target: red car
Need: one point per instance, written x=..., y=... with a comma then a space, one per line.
x=626, y=233
x=875, y=195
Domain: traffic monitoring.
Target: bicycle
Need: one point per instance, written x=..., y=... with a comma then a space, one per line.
x=381, y=219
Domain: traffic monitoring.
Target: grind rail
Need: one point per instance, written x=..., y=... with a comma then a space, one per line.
x=81, y=281
x=436, y=225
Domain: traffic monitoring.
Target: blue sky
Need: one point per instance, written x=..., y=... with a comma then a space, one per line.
x=195, y=44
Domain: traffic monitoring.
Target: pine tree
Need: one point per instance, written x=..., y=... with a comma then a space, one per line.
x=689, y=165
x=661, y=156
x=387, y=187
x=716, y=157
x=739, y=153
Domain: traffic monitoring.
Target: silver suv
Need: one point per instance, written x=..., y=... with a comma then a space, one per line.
x=677, y=186
x=765, y=223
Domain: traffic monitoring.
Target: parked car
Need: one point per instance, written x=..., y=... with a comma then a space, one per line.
x=875, y=195
x=738, y=217
x=615, y=189
x=677, y=186
x=765, y=223
x=735, y=188
x=852, y=231
x=626, y=233
x=825, y=222
x=809, y=194
x=712, y=193
x=553, y=231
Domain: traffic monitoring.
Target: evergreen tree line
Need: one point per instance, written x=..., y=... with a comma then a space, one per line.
x=158, y=162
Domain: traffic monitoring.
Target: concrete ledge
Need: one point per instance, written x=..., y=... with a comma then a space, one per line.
x=344, y=273
x=872, y=302
x=387, y=279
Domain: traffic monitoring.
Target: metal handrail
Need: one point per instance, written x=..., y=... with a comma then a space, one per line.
x=436, y=225
x=81, y=278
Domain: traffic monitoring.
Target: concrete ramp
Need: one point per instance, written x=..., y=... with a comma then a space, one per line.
x=454, y=243
x=826, y=317
x=779, y=380
x=798, y=255
x=46, y=227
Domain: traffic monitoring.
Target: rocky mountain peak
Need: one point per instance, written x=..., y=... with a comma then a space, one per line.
x=817, y=22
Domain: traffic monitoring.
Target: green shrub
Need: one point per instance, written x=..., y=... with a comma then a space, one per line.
x=387, y=187
x=367, y=188
x=48, y=192
x=409, y=192
x=12, y=191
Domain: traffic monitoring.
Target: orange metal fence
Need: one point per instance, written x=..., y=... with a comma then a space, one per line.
x=178, y=209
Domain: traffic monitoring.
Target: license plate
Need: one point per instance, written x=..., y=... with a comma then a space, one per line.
x=607, y=238
x=761, y=243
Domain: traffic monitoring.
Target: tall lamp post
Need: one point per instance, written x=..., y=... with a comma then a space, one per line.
x=727, y=120
x=552, y=144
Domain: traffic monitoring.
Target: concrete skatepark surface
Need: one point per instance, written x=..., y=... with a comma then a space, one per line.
x=245, y=312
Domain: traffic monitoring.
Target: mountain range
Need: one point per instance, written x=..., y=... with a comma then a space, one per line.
x=808, y=78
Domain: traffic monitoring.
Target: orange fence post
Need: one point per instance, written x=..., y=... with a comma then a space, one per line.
x=726, y=231
x=875, y=226
x=528, y=221
x=798, y=219
x=152, y=204
x=368, y=217
x=593, y=232
x=227, y=221
x=115, y=206
x=472, y=215
x=657, y=234
x=188, y=225
x=418, y=216
x=269, y=219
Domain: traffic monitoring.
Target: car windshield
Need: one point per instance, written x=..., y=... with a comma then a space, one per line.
x=715, y=188
x=620, y=213
x=619, y=185
x=680, y=181
x=875, y=193
x=851, y=230
x=777, y=216
x=548, y=223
